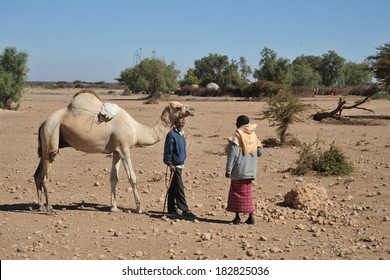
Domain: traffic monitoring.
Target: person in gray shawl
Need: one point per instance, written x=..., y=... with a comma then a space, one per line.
x=242, y=151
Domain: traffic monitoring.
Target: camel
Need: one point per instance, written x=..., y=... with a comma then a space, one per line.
x=81, y=125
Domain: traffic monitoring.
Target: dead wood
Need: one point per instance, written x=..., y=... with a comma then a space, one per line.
x=336, y=113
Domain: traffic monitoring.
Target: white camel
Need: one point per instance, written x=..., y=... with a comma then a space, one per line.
x=81, y=125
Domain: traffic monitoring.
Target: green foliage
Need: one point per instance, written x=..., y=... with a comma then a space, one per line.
x=190, y=78
x=329, y=162
x=381, y=95
x=150, y=75
x=380, y=64
x=13, y=71
x=335, y=162
x=308, y=159
x=302, y=75
x=217, y=69
x=311, y=60
x=126, y=92
x=271, y=68
x=355, y=74
x=262, y=89
x=330, y=67
x=283, y=110
x=244, y=70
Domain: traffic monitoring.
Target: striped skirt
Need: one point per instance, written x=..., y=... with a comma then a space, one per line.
x=240, y=198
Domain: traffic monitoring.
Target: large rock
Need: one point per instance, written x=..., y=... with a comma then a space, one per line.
x=307, y=197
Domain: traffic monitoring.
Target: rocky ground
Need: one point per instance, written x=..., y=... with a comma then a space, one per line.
x=349, y=220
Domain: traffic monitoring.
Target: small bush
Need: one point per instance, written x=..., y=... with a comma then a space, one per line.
x=362, y=90
x=335, y=162
x=329, y=162
x=126, y=92
x=302, y=91
x=283, y=110
x=309, y=155
x=262, y=89
x=271, y=142
x=381, y=95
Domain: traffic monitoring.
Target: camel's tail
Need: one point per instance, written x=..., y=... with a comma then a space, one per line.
x=40, y=154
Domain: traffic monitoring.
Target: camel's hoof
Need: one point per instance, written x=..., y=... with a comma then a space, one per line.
x=139, y=210
x=115, y=209
x=47, y=209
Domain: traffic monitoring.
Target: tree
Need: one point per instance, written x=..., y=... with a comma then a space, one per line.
x=283, y=110
x=380, y=64
x=190, y=78
x=271, y=68
x=330, y=68
x=244, y=71
x=312, y=60
x=217, y=68
x=355, y=74
x=302, y=74
x=13, y=71
x=150, y=75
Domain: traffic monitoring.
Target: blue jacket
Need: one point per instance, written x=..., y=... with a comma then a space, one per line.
x=174, y=148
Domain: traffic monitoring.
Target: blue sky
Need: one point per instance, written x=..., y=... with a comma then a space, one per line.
x=92, y=41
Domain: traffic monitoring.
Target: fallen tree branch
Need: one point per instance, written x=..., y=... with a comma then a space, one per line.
x=336, y=113
x=333, y=114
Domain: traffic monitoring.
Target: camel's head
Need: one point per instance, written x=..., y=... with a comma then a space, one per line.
x=177, y=109
x=181, y=110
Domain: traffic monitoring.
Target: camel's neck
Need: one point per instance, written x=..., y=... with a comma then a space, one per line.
x=150, y=135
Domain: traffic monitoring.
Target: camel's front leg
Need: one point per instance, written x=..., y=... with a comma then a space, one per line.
x=114, y=178
x=132, y=179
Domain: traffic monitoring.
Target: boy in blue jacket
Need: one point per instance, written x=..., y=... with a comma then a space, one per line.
x=174, y=157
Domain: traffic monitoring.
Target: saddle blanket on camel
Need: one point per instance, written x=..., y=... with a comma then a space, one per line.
x=107, y=112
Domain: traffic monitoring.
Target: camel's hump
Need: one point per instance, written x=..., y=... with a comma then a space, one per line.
x=85, y=92
x=87, y=100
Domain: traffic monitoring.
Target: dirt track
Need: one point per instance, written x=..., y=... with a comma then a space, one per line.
x=357, y=226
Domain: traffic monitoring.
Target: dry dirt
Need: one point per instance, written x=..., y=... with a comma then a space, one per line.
x=355, y=224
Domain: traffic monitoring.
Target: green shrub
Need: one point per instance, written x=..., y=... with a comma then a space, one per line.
x=362, y=90
x=309, y=155
x=328, y=162
x=283, y=110
x=262, y=89
x=126, y=92
x=302, y=91
x=13, y=71
x=381, y=95
x=335, y=162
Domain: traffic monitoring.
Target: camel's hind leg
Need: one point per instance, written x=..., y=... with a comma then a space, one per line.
x=41, y=180
x=132, y=179
x=39, y=185
x=48, y=145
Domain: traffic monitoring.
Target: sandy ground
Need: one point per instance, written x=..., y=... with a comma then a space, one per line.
x=356, y=226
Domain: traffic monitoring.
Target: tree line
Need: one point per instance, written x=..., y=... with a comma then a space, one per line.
x=153, y=75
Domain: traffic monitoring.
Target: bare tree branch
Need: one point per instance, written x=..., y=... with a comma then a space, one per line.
x=336, y=113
